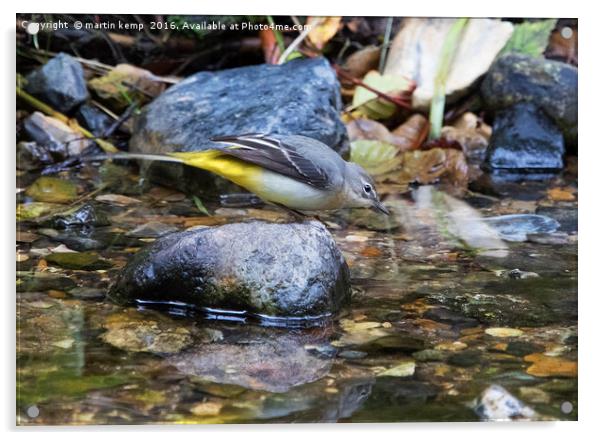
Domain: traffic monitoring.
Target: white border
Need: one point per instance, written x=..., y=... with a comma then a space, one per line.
x=590, y=113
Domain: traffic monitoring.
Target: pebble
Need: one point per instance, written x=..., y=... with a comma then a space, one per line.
x=503, y=332
x=451, y=346
x=207, y=409
x=404, y=369
x=352, y=354
x=546, y=366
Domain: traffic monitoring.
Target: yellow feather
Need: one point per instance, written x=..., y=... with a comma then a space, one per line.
x=238, y=171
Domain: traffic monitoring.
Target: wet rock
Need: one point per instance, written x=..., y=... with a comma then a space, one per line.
x=134, y=331
x=516, y=227
x=403, y=369
x=416, y=51
x=567, y=217
x=496, y=404
x=31, y=156
x=397, y=391
x=57, y=138
x=466, y=358
x=273, y=269
x=52, y=189
x=94, y=119
x=78, y=260
x=550, y=366
x=553, y=238
x=301, y=96
x=523, y=348
x=550, y=86
x=447, y=316
x=42, y=281
x=256, y=358
x=393, y=343
x=516, y=274
x=352, y=354
x=60, y=82
x=80, y=216
x=524, y=140
x=87, y=293
x=429, y=355
x=152, y=230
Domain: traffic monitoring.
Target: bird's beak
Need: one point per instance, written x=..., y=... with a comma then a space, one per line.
x=378, y=206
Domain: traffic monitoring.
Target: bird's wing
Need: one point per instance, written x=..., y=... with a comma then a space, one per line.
x=276, y=155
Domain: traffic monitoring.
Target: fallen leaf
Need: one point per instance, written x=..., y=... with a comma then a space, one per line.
x=269, y=45
x=371, y=251
x=361, y=62
x=437, y=164
x=370, y=104
x=471, y=133
x=563, y=45
x=545, y=366
x=561, y=194
x=412, y=132
x=322, y=30
x=31, y=211
x=376, y=157
x=530, y=37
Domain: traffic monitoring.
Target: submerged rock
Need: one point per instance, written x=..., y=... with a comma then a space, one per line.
x=60, y=83
x=551, y=86
x=80, y=216
x=525, y=139
x=95, y=120
x=301, y=96
x=516, y=227
x=273, y=269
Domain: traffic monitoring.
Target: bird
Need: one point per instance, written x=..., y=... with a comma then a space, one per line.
x=297, y=173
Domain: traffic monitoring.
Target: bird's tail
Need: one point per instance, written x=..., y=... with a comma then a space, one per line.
x=194, y=158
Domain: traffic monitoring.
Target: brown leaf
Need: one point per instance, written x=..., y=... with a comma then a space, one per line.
x=561, y=48
x=269, y=45
x=546, y=366
x=412, y=132
x=408, y=136
x=471, y=133
x=323, y=29
x=362, y=61
x=561, y=194
x=435, y=165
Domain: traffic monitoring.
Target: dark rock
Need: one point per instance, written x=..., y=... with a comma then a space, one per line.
x=398, y=342
x=525, y=139
x=549, y=85
x=78, y=260
x=31, y=156
x=298, y=97
x=60, y=83
x=352, y=354
x=87, y=293
x=466, y=358
x=447, y=316
x=274, y=269
x=567, y=217
x=395, y=390
x=42, y=281
x=523, y=348
x=82, y=216
x=429, y=355
x=95, y=120
x=553, y=238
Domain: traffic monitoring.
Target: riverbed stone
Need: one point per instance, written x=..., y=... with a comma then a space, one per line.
x=298, y=97
x=549, y=85
x=60, y=82
x=287, y=270
x=525, y=140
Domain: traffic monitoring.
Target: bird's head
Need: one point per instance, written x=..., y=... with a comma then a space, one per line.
x=360, y=189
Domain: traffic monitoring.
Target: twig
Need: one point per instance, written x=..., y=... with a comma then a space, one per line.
x=296, y=42
x=385, y=49
x=397, y=101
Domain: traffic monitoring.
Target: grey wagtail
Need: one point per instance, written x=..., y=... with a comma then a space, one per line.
x=291, y=171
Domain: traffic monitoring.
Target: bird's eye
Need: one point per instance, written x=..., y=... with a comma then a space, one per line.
x=367, y=189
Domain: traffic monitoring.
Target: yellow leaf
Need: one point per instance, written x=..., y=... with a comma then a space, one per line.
x=323, y=29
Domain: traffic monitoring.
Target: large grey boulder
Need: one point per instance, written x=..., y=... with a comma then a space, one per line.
x=298, y=97
x=284, y=270
x=60, y=82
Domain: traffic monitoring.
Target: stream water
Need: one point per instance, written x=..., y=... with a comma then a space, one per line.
x=432, y=324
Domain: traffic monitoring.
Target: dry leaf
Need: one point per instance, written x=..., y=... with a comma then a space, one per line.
x=323, y=29
x=362, y=61
x=117, y=199
x=471, y=133
x=408, y=136
x=269, y=45
x=561, y=194
x=437, y=164
x=370, y=104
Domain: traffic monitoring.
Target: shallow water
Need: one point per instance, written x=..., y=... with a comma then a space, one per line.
x=431, y=325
